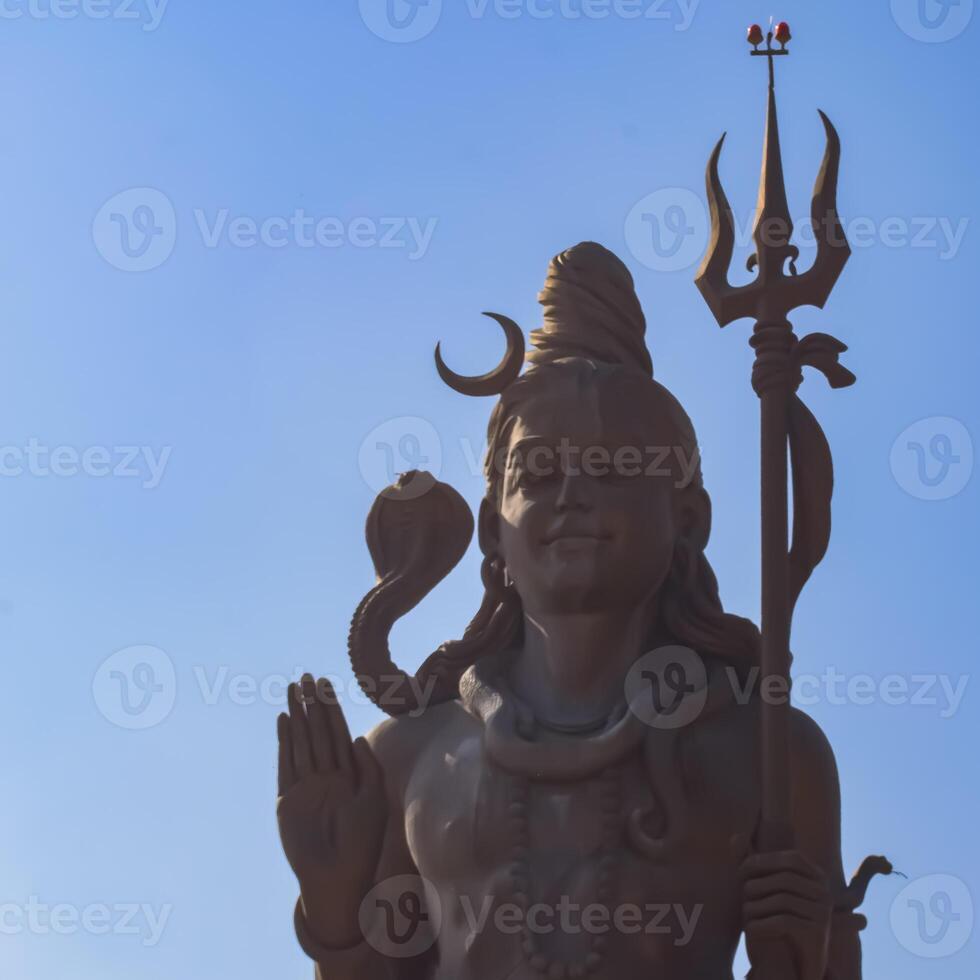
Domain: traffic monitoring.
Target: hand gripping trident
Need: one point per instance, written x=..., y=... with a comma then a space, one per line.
x=786, y=424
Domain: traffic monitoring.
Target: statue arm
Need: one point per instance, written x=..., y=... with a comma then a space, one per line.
x=342, y=825
x=817, y=820
x=396, y=745
x=365, y=961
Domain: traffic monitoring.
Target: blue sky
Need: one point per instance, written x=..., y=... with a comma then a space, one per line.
x=307, y=197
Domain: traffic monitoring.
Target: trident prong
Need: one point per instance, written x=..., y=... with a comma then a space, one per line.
x=773, y=293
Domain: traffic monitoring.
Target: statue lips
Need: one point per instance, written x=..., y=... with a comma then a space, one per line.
x=566, y=536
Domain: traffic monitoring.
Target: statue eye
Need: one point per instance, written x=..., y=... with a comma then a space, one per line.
x=529, y=479
x=534, y=471
x=626, y=465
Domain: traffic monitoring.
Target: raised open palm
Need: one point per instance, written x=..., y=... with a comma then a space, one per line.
x=332, y=809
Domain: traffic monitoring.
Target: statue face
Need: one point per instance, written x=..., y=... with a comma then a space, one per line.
x=586, y=518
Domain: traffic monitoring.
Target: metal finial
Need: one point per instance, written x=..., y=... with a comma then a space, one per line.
x=773, y=224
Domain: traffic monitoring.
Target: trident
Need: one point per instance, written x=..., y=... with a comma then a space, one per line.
x=787, y=425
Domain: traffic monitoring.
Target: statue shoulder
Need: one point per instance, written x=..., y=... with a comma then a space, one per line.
x=401, y=744
x=814, y=763
x=813, y=755
x=816, y=797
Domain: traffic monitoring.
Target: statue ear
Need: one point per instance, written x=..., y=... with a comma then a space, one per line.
x=694, y=516
x=488, y=528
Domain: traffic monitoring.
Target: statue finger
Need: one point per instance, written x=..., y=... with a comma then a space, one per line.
x=340, y=733
x=370, y=777
x=760, y=865
x=774, y=927
x=781, y=904
x=299, y=729
x=287, y=771
x=788, y=882
x=324, y=753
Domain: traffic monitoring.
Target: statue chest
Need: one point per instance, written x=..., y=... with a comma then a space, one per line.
x=651, y=835
x=565, y=871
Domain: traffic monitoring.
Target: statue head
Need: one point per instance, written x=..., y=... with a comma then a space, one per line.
x=594, y=498
x=593, y=477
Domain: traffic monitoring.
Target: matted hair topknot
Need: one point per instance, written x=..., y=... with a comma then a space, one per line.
x=591, y=311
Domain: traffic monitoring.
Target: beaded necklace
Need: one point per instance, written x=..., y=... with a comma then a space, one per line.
x=611, y=795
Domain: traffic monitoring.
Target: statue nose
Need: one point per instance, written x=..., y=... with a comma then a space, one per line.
x=574, y=494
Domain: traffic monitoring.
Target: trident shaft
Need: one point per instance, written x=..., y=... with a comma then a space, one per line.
x=777, y=374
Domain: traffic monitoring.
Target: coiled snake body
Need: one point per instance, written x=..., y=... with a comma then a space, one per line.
x=417, y=532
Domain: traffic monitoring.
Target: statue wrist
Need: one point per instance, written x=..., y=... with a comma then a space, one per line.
x=318, y=941
x=325, y=924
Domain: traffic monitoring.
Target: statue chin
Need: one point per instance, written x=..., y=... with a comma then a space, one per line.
x=574, y=588
x=576, y=577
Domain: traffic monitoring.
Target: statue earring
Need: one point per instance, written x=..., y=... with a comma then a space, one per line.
x=496, y=578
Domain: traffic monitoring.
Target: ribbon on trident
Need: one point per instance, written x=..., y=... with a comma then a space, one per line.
x=790, y=433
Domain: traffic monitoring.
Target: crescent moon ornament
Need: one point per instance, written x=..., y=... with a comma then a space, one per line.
x=495, y=381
